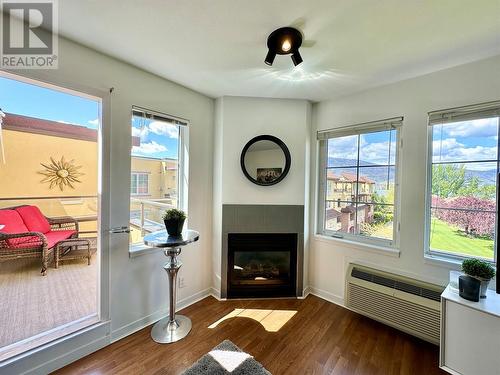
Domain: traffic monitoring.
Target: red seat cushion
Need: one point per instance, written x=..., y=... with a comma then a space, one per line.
x=13, y=223
x=26, y=242
x=58, y=235
x=34, y=219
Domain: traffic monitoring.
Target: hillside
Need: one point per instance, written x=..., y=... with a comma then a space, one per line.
x=379, y=174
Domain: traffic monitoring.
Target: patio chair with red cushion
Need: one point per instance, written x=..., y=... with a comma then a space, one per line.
x=26, y=233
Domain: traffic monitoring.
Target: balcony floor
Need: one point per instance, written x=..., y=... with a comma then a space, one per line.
x=32, y=304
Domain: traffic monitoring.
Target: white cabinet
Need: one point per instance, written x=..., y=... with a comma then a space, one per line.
x=470, y=334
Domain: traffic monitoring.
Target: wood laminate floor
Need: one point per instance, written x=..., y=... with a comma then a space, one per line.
x=320, y=338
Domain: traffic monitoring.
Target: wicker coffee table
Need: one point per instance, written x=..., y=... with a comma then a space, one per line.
x=73, y=248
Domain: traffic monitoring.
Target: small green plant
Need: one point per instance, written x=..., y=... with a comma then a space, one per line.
x=174, y=214
x=478, y=268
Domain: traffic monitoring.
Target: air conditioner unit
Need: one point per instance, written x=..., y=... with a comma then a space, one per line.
x=409, y=305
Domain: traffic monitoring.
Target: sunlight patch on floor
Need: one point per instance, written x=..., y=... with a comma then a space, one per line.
x=271, y=320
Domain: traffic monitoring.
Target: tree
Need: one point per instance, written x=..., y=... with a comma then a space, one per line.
x=487, y=192
x=462, y=212
x=449, y=180
x=383, y=210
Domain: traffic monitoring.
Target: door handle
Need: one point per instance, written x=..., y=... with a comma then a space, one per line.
x=119, y=230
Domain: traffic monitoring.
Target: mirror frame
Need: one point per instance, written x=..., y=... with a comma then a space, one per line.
x=281, y=144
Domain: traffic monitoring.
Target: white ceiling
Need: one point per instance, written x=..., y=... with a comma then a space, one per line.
x=217, y=47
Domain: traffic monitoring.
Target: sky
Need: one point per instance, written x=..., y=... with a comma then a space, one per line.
x=158, y=139
x=374, y=149
x=467, y=141
x=460, y=142
x=35, y=101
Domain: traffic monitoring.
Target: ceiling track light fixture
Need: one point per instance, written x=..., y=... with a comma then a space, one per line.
x=284, y=41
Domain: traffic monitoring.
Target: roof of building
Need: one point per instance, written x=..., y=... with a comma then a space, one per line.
x=35, y=125
x=332, y=213
x=352, y=208
x=167, y=160
x=349, y=177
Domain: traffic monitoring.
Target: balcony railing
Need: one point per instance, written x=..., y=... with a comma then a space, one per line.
x=82, y=208
x=146, y=214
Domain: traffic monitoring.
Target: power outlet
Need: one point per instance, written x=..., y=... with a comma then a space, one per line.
x=182, y=283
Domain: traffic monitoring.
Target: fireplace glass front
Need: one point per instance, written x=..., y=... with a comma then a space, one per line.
x=262, y=264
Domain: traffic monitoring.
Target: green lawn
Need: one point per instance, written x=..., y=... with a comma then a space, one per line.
x=380, y=231
x=449, y=238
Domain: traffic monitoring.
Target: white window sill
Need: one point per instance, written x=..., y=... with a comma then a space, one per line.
x=377, y=249
x=136, y=250
x=442, y=261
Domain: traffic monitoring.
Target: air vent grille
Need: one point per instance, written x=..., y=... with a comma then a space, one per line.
x=431, y=294
x=359, y=274
x=410, y=317
x=409, y=305
x=396, y=284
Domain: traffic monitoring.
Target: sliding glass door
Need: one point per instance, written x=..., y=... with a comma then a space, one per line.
x=50, y=218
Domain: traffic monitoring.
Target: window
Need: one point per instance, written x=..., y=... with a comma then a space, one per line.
x=158, y=174
x=462, y=182
x=358, y=187
x=139, y=184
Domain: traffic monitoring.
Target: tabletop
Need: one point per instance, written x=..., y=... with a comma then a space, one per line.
x=162, y=239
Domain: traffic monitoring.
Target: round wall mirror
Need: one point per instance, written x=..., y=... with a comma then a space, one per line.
x=265, y=160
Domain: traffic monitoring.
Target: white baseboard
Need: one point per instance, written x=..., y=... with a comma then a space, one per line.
x=60, y=358
x=139, y=324
x=61, y=352
x=330, y=297
x=99, y=342
x=70, y=357
x=216, y=294
x=305, y=292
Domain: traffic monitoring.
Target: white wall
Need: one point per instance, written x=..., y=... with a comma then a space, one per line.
x=138, y=286
x=239, y=119
x=245, y=118
x=467, y=84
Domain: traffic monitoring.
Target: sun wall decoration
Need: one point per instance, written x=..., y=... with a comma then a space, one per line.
x=61, y=173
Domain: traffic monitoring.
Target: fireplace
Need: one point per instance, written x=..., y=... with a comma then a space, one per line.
x=262, y=265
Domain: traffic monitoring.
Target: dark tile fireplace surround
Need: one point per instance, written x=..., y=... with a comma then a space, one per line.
x=262, y=251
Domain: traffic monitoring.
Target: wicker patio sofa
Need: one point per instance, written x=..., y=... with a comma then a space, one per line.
x=26, y=233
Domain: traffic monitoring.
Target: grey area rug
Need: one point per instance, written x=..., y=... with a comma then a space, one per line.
x=208, y=365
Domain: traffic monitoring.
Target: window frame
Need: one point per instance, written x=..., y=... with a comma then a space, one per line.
x=469, y=113
x=137, y=174
x=359, y=129
x=182, y=147
x=182, y=186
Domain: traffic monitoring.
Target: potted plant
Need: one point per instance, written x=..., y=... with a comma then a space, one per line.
x=174, y=221
x=481, y=270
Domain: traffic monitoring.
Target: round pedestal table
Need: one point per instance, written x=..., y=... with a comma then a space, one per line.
x=173, y=327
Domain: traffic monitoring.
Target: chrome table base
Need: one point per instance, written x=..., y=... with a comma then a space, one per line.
x=173, y=327
x=166, y=332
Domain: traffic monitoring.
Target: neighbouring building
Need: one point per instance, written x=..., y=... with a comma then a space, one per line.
x=342, y=214
x=30, y=142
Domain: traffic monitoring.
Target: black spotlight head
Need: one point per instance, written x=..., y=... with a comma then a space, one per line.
x=284, y=41
x=270, y=58
x=296, y=58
